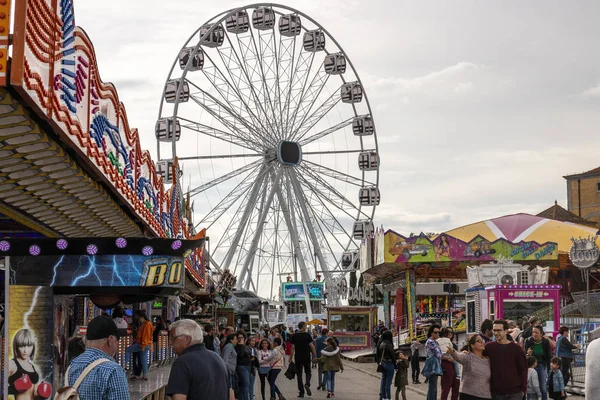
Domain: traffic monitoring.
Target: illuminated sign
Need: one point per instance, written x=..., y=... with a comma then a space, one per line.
x=294, y=291
x=157, y=304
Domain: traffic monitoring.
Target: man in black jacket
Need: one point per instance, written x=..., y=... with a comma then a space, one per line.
x=302, y=347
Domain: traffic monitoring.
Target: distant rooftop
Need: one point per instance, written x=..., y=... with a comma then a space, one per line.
x=592, y=172
x=559, y=213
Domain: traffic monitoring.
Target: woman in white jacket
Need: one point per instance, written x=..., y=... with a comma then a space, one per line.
x=277, y=364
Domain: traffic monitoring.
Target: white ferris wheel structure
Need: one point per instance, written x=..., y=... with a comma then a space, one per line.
x=268, y=117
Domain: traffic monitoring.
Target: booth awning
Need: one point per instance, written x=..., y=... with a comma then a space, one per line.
x=525, y=228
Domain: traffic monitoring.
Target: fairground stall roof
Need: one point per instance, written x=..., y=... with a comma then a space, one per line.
x=518, y=228
x=523, y=238
x=71, y=165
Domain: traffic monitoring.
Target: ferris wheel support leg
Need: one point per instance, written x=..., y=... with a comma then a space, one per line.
x=289, y=221
x=259, y=229
x=243, y=220
x=309, y=224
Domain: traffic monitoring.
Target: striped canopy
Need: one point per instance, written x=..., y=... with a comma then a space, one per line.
x=525, y=227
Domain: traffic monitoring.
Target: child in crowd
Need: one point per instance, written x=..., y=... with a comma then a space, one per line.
x=401, y=380
x=533, y=384
x=556, y=383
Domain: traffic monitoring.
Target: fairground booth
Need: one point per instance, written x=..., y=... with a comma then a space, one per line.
x=508, y=267
x=54, y=287
x=71, y=166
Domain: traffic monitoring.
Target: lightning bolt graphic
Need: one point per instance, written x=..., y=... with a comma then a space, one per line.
x=133, y=266
x=31, y=307
x=116, y=272
x=55, y=270
x=91, y=270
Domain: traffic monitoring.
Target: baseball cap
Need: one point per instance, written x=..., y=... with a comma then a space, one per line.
x=101, y=327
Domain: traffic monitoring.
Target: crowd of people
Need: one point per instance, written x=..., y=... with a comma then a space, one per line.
x=211, y=364
x=504, y=362
x=508, y=360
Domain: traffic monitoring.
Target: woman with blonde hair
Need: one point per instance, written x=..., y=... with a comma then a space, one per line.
x=23, y=378
x=476, y=372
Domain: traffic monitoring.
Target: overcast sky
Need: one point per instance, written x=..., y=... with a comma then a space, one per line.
x=481, y=107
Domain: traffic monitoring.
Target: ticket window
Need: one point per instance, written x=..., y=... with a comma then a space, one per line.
x=349, y=322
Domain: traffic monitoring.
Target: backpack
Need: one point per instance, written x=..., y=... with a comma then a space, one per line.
x=70, y=392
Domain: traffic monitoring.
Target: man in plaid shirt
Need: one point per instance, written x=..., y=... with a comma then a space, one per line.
x=106, y=381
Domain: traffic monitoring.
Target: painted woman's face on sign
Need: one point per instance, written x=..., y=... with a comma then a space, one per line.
x=25, y=352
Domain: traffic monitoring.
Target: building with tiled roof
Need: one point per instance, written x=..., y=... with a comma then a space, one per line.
x=583, y=194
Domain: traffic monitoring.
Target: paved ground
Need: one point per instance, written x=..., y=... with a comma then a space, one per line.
x=358, y=382
x=353, y=384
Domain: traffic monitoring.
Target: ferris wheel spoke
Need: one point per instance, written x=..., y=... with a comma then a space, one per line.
x=233, y=197
x=225, y=115
x=290, y=220
x=326, y=132
x=285, y=69
x=299, y=80
x=325, y=152
x=259, y=69
x=240, y=75
x=260, y=226
x=242, y=222
x=231, y=95
x=309, y=223
x=225, y=177
x=330, y=231
x=340, y=176
x=310, y=94
x=219, y=156
x=311, y=120
x=329, y=220
x=333, y=195
x=229, y=137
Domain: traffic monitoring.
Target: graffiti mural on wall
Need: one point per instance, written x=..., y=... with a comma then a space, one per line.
x=60, y=79
x=444, y=248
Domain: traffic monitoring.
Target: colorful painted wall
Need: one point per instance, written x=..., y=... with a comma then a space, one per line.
x=36, y=325
x=55, y=70
x=445, y=248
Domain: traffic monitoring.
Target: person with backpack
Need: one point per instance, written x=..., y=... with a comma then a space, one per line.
x=94, y=375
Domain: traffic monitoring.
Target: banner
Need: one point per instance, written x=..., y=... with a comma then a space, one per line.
x=293, y=291
x=445, y=248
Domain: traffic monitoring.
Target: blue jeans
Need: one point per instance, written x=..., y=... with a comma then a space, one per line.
x=272, y=377
x=330, y=381
x=135, y=348
x=542, y=371
x=321, y=374
x=385, y=391
x=243, y=373
x=432, y=389
x=251, y=386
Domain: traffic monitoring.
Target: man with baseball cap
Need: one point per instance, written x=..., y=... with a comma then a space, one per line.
x=106, y=381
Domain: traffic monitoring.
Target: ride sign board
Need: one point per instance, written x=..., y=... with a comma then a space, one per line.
x=294, y=291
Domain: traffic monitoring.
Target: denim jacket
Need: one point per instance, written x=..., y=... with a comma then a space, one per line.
x=558, y=383
x=564, y=348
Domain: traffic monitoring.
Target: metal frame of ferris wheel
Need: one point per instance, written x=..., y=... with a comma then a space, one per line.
x=251, y=71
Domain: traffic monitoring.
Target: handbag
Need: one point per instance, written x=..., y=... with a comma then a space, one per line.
x=263, y=370
x=379, y=366
x=433, y=366
x=291, y=371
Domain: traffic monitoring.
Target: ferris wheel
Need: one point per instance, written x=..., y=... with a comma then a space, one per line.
x=274, y=134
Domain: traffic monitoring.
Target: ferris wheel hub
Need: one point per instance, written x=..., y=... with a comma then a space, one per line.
x=289, y=153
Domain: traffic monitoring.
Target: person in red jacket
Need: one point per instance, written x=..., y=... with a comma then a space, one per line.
x=143, y=344
x=508, y=365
